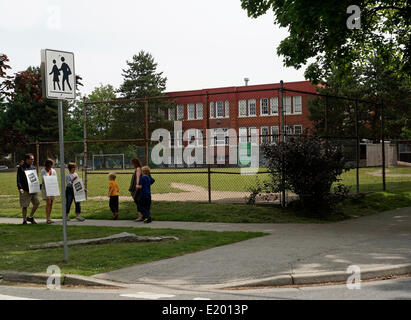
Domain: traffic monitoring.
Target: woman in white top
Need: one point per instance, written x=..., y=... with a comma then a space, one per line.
x=47, y=171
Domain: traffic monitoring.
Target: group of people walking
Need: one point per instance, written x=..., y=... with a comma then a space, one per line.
x=140, y=190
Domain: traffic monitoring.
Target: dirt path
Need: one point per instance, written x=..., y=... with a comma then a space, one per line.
x=387, y=174
x=199, y=194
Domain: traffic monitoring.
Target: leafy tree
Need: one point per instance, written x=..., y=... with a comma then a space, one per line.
x=27, y=112
x=141, y=79
x=374, y=81
x=318, y=29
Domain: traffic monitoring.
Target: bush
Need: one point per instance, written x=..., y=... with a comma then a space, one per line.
x=307, y=166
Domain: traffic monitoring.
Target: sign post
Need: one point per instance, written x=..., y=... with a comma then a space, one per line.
x=59, y=82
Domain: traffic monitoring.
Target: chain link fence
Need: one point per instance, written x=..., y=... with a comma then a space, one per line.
x=215, y=142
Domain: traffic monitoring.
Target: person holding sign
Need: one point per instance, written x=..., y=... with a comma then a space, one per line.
x=48, y=171
x=71, y=179
x=27, y=184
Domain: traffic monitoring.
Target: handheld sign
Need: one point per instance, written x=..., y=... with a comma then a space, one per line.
x=59, y=78
x=79, y=192
x=33, y=181
x=52, y=186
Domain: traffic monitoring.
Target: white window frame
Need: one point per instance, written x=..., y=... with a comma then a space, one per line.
x=219, y=106
x=227, y=108
x=287, y=105
x=250, y=103
x=275, y=132
x=249, y=134
x=288, y=130
x=264, y=101
x=172, y=113
x=191, y=111
x=212, y=110
x=297, y=104
x=180, y=112
x=274, y=106
x=215, y=141
x=265, y=137
x=199, y=110
x=301, y=129
x=242, y=134
x=242, y=106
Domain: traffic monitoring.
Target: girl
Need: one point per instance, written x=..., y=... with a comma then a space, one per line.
x=47, y=171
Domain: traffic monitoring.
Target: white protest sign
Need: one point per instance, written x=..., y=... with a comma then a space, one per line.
x=79, y=192
x=58, y=74
x=52, y=186
x=33, y=181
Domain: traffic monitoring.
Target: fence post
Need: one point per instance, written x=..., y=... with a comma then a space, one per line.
x=357, y=147
x=283, y=204
x=208, y=146
x=85, y=151
x=146, y=129
x=383, y=147
x=37, y=156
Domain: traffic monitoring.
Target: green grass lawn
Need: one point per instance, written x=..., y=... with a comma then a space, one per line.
x=398, y=195
x=98, y=183
x=89, y=260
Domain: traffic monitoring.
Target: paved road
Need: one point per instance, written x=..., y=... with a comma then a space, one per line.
x=379, y=290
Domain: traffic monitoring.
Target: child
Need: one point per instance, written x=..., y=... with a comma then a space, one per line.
x=113, y=194
x=70, y=178
x=145, y=193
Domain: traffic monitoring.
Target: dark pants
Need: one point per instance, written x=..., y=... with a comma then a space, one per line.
x=69, y=201
x=113, y=203
x=136, y=199
x=145, y=204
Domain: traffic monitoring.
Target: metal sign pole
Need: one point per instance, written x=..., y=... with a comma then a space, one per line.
x=62, y=178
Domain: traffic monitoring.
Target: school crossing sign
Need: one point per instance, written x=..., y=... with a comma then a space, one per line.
x=59, y=78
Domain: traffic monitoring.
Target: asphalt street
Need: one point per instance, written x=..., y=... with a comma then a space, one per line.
x=394, y=289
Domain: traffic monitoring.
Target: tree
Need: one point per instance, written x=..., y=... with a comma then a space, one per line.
x=27, y=112
x=6, y=82
x=318, y=29
x=376, y=81
x=141, y=80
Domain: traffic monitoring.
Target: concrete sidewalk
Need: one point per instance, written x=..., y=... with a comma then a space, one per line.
x=379, y=242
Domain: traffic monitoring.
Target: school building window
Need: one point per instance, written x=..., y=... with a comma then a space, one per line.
x=264, y=106
x=297, y=103
x=172, y=113
x=252, y=107
x=220, y=137
x=287, y=105
x=274, y=106
x=180, y=112
x=274, y=133
x=211, y=109
x=190, y=111
x=253, y=133
x=264, y=135
x=298, y=129
x=220, y=109
x=242, y=133
x=242, y=108
x=199, y=109
x=227, y=108
x=288, y=130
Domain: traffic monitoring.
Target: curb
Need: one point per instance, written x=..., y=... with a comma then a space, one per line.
x=41, y=278
x=320, y=277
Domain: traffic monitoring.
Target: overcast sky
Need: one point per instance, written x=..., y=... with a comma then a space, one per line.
x=196, y=43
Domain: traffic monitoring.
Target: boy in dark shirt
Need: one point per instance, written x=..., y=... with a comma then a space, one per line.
x=144, y=185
